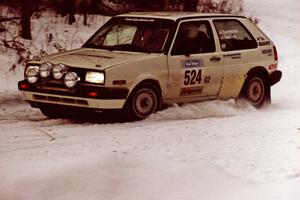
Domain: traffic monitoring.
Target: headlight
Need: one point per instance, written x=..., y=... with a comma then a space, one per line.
x=45, y=70
x=95, y=77
x=32, y=74
x=71, y=79
x=58, y=71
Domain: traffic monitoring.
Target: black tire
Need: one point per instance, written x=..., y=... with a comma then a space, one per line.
x=256, y=91
x=144, y=100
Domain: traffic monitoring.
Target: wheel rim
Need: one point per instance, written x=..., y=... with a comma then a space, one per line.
x=145, y=103
x=256, y=91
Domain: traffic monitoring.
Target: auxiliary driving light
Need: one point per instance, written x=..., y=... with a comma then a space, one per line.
x=58, y=71
x=32, y=75
x=71, y=79
x=45, y=70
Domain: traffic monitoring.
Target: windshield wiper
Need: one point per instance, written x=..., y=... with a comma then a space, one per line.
x=130, y=47
x=94, y=46
x=124, y=47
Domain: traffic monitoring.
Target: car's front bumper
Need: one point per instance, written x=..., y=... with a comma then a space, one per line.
x=275, y=77
x=106, y=98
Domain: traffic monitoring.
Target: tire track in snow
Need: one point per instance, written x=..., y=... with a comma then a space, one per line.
x=201, y=110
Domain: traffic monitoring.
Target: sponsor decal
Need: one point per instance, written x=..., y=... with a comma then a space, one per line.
x=191, y=91
x=193, y=63
x=233, y=55
x=139, y=20
x=266, y=43
x=228, y=34
x=261, y=38
x=207, y=79
x=267, y=51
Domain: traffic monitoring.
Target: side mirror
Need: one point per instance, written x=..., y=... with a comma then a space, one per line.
x=187, y=51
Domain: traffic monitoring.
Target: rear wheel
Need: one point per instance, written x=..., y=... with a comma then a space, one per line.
x=143, y=101
x=256, y=91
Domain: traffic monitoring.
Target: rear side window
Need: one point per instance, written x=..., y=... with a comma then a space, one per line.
x=234, y=36
x=194, y=37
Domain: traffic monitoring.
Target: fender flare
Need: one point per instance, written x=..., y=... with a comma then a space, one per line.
x=255, y=71
x=155, y=83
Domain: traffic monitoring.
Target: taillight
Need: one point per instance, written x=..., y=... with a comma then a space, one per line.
x=275, y=53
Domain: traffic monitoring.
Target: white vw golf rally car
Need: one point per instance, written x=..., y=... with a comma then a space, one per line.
x=140, y=61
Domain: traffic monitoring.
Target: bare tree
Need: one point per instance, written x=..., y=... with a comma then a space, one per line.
x=71, y=4
x=190, y=5
x=84, y=10
x=68, y=8
x=25, y=19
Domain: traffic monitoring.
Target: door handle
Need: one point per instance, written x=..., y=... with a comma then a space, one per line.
x=215, y=59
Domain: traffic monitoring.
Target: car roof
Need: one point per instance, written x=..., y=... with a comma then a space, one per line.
x=175, y=15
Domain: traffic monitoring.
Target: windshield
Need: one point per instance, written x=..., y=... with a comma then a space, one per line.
x=132, y=34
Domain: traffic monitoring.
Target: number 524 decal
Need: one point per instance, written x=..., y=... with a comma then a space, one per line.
x=192, y=77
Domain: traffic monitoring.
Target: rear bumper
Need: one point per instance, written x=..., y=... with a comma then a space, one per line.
x=275, y=77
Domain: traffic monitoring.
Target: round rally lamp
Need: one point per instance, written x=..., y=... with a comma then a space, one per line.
x=45, y=70
x=32, y=75
x=71, y=79
x=58, y=71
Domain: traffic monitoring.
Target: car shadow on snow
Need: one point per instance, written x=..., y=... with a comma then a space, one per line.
x=96, y=117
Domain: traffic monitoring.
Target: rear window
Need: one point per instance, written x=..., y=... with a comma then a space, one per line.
x=234, y=36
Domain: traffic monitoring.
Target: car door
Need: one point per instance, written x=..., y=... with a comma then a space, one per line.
x=239, y=49
x=195, y=67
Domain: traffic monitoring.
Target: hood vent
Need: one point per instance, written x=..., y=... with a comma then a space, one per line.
x=91, y=55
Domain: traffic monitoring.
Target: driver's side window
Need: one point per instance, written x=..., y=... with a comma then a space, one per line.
x=193, y=38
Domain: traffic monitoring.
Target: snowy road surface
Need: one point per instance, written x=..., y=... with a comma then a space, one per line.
x=210, y=150
x=181, y=153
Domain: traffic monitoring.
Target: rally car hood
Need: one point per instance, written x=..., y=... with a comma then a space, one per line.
x=95, y=58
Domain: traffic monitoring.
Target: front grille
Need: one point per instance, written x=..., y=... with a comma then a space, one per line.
x=60, y=100
x=52, y=84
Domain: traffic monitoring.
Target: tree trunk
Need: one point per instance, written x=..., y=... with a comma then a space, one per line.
x=85, y=19
x=84, y=8
x=190, y=5
x=25, y=19
x=71, y=5
x=68, y=8
x=94, y=6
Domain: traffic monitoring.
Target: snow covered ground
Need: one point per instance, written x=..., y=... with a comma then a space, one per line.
x=210, y=150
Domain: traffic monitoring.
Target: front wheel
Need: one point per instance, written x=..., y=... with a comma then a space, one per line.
x=144, y=101
x=256, y=91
